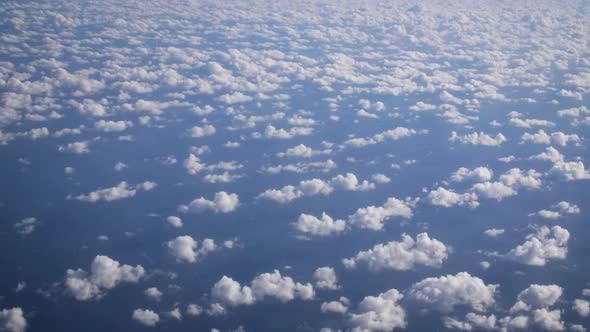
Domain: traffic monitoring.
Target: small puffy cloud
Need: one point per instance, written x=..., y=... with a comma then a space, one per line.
x=272, y=132
x=478, y=139
x=571, y=171
x=174, y=221
x=120, y=191
x=325, y=278
x=12, y=320
x=339, y=307
x=206, y=130
x=548, y=320
x=493, y=232
x=193, y=164
x=557, y=138
x=112, y=126
x=472, y=321
x=379, y=313
x=391, y=134
x=528, y=123
x=562, y=207
x=550, y=154
x=536, y=297
x=27, y=225
x=194, y=309
x=422, y=106
x=229, y=292
x=76, y=147
x=403, y=255
x=517, y=178
x=494, y=190
x=373, y=217
x=119, y=166
x=105, y=273
x=380, y=178
x=324, y=226
x=449, y=198
x=146, y=317
x=153, y=293
x=582, y=307
x=302, y=151
x=447, y=292
x=185, y=248
x=540, y=247
x=221, y=203
x=478, y=174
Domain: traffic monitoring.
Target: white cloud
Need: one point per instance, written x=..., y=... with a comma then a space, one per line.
x=105, y=273
x=582, y=307
x=477, y=174
x=540, y=247
x=146, y=317
x=221, y=203
x=391, y=134
x=153, y=293
x=229, y=292
x=193, y=164
x=339, y=307
x=272, y=132
x=380, y=178
x=323, y=226
x=447, y=292
x=112, y=126
x=478, y=139
x=379, y=313
x=27, y=225
x=557, y=138
x=402, y=256
x=185, y=249
x=494, y=190
x=76, y=147
x=373, y=217
x=194, y=309
x=12, y=320
x=448, y=198
x=325, y=278
x=174, y=221
x=563, y=207
x=550, y=154
x=548, y=320
x=120, y=191
x=302, y=151
x=528, y=123
x=206, y=130
x=571, y=171
x=537, y=296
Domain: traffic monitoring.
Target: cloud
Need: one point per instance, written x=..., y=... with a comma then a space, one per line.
x=346, y=182
x=206, y=130
x=557, y=138
x=447, y=292
x=478, y=139
x=76, y=147
x=536, y=297
x=302, y=151
x=570, y=171
x=476, y=174
x=120, y=191
x=380, y=178
x=324, y=226
x=339, y=307
x=12, y=320
x=493, y=232
x=112, y=126
x=221, y=203
x=184, y=248
x=448, y=198
x=391, y=134
x=379, y=313
x=174, y=221
x=105, y=274
x=540, y=247
x=27, y=226
x=494, y=190
x=548, y=320
x=582, y=307
x=153, y=293
x=272, y=132
x=563, y=207
x=146, y=317
x=373, y=217
x=283, y=288
x=401, y=256
x=325, y=278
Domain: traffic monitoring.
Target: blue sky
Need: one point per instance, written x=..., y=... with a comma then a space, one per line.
x=294, y=166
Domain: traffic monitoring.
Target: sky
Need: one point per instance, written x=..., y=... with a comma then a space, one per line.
x=294, y=165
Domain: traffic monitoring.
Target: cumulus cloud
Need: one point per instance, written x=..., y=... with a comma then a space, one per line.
x=536, y=297
x=339, y=307
x=174, y=221
x=27, y=225
x=120, y=191
x=477, y=174
x=403, y=255
x=447, y=292
x=570, y=171
x=448, y=198
x=324, y=226
x=325, y=278
x=494, y=190
x=221, y=203
x=346, y=182
x=146, y=317
x=563, y=208
x=379, y=313
x=392, y=134
x=105, y=274
x=76, y=147
x=185, y=249
x=373, y=217
x=541, y=247
x=273, y=285
x=557, y=138
x=302, y=151
x=478, y=139
x=582, y=307
x=206, y=130
x=112, y=126
x=12, y=320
